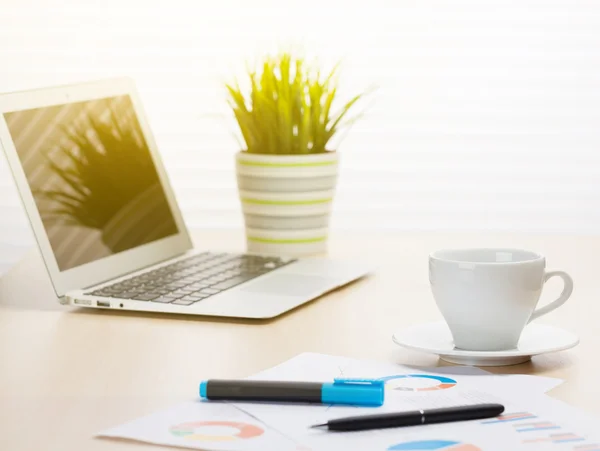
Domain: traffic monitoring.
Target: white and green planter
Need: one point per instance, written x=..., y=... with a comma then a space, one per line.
x=286, y=201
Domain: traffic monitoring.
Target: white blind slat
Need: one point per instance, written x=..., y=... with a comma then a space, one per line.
x=487, y=114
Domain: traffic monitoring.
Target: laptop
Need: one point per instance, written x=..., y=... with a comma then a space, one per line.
x=107, y=222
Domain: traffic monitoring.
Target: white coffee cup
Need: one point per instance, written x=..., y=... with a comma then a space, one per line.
x=488, y=296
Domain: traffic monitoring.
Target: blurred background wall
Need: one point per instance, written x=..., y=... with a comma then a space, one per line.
x=487, y=114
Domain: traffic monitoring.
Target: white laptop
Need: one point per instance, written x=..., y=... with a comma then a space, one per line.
x=107, y=223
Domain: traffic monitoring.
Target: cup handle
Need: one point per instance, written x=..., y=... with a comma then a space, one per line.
x=567, y=290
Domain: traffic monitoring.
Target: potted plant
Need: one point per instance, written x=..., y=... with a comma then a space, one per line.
x=287, y=172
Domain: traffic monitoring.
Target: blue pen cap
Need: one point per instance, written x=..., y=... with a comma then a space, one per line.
x=359, y=392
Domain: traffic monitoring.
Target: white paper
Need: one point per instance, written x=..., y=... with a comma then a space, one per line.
x=408, y=388
x=533, y=384
x=319, y=367
x=546, y=425
x=412, y=388
x=281, y=427
x=204, y=425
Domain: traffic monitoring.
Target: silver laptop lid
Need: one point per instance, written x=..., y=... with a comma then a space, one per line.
x=92, y=182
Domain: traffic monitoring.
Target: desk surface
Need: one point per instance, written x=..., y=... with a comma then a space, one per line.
x=67, y=374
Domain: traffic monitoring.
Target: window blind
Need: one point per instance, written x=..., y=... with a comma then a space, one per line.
x=486, y=114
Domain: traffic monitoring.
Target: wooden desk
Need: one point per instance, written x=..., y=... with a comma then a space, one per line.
x=67, y=374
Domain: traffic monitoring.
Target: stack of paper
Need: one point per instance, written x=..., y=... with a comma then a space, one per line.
x=532, y=421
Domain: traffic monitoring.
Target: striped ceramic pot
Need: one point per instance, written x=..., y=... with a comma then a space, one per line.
x=286, y=200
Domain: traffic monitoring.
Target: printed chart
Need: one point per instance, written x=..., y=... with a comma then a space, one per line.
x=510, y=417
x=536, y=426
x=525, y=428
x=540, y=424
x=433, y=445
x=557, y=438
x=417, y=382
x=216, y=431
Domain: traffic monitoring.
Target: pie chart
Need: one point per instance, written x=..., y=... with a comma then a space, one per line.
x=433, y=445
x=417, y=382
x=215, y=431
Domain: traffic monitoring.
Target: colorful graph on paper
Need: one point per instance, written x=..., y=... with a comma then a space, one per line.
x=510, y=417
x=433, y=445
x=591, y=447
x=216, y=431
x=556, y=438
x=417, y=382
x=536, y=426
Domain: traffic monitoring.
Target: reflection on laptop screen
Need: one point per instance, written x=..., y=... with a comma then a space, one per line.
x=93, y=179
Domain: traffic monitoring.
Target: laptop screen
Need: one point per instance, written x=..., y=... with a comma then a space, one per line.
x=93, y=179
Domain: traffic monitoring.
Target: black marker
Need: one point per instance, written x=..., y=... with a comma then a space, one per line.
x=414, y=418
x=359, y=392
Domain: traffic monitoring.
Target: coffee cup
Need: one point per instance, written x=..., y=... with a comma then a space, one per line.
x=488, y=296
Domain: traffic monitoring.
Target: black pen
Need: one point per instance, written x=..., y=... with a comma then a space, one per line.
x=413, y=418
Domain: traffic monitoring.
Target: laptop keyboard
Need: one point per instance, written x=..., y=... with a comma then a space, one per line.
x=193, y=279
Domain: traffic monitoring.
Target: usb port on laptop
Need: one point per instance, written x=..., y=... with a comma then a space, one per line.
x=103, y=303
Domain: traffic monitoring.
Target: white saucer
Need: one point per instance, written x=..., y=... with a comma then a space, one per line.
x=435, y=338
